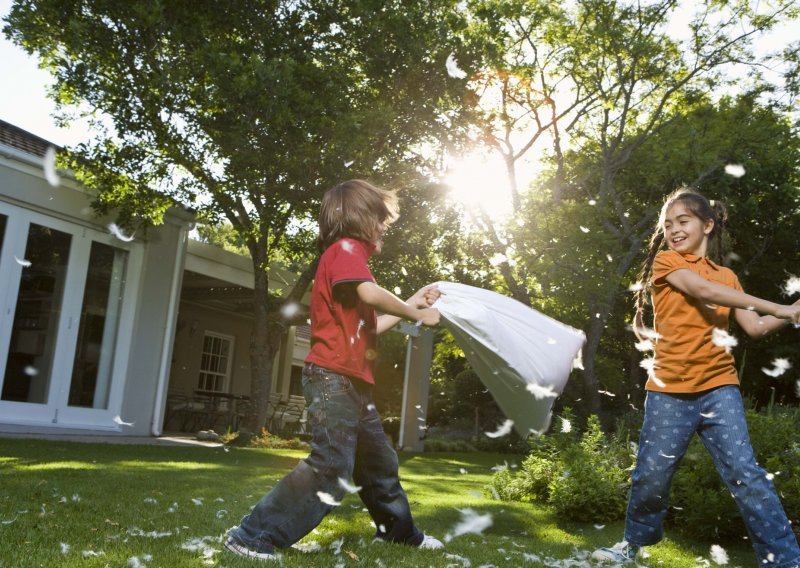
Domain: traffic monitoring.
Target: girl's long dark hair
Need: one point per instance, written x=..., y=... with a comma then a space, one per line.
x=698, y=206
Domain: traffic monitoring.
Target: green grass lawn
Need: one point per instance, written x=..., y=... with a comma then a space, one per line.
x=75, y=504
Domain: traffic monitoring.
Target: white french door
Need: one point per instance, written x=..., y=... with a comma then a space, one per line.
x=66, y=295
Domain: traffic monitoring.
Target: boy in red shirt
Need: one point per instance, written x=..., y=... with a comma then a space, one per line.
x=347, y=434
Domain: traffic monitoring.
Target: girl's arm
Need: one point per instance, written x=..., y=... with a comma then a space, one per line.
x=747, y=307
x=395, y=309
x=759, y=326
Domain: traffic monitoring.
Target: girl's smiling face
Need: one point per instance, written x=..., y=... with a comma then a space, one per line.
x=684, y=232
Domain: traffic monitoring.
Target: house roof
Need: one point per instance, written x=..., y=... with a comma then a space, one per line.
x=223, y=280
x=23, y=140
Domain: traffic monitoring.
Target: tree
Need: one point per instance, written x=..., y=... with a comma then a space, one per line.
x=246, y=113
x=602, y=78
x=761, y=242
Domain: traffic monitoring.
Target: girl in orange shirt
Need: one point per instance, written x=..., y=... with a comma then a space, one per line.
x=693, y=386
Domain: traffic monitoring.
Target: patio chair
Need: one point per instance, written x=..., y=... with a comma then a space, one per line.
x=275, y=407
x=182, y=408
x=196, y=413
x=293, y=418
x=242, y=408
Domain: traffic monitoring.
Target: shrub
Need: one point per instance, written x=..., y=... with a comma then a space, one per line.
x=265, y=439
x=586, y=477
x=594, y=482
x=445, y=445
x=511, y=444
x=583, y=477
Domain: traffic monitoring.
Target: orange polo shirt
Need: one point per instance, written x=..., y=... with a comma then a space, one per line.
x=686, y=359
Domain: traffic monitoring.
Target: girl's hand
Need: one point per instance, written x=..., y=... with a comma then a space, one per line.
x=791, y=313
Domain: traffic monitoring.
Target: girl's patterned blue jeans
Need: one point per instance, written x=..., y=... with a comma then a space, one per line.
x=347, y=441
x=718, y=417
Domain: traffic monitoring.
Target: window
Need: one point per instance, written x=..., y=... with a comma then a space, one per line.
x=296, y=381
x=97, y=334
x=38, y=311
x=68, y=299
x=215, y=362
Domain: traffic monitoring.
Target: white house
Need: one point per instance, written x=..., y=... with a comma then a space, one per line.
x=97, y=327
x=99, y=330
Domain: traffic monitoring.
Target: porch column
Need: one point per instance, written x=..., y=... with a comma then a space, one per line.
x=416, y=383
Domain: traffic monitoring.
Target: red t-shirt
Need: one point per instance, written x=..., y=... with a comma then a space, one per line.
x=343, y=328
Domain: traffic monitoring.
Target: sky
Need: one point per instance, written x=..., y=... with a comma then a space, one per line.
x=24, y=102
x=23, y=99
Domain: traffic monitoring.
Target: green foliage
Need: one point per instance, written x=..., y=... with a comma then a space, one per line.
x=448, y=445
x=246, y=114
x=585, y=276
x=584, y=477
x=268, y=440
x=224, y=236
x=580, y=231
x=594, y=483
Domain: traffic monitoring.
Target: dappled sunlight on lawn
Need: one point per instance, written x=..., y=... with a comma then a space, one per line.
x=168, y=465
x=48, y=466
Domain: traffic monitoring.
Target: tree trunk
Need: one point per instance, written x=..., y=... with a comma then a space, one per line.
x=591, y=383
x=265, y=342
x=269, y=329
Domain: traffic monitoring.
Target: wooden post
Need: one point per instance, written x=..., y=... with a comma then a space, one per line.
x=416, y=383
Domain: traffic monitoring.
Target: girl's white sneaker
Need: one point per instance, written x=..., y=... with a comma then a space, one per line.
x=621, y=553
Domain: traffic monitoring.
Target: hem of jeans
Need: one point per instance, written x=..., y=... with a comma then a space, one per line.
x=258, y=546
x=410, y=541
x=638, y=545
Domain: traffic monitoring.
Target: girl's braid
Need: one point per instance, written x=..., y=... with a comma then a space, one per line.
x=642, y=294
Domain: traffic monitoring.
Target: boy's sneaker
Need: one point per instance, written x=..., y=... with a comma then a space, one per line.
x=241, y=550
x=430, y=543
x=621, y=553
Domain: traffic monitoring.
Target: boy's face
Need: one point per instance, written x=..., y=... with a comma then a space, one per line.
x=382, y=228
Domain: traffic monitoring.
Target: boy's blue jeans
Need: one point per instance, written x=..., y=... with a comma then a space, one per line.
x=347, y=441
x=718, y=417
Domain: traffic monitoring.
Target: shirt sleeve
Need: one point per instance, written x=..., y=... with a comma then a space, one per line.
x=735, y=282
x=349, y=263
x=665, y=263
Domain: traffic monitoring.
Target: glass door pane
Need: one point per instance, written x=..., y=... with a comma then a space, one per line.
x=38, y=309
x=97, y=334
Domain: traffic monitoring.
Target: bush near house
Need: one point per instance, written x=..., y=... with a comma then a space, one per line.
x=585, y=476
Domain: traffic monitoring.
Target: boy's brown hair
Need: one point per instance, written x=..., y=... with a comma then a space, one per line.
x=355, y=209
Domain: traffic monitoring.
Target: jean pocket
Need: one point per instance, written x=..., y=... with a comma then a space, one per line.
x=335, y=383
x=326, y=381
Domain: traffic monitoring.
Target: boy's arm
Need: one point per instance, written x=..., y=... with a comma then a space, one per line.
x=394, y=308
x=747, y=307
